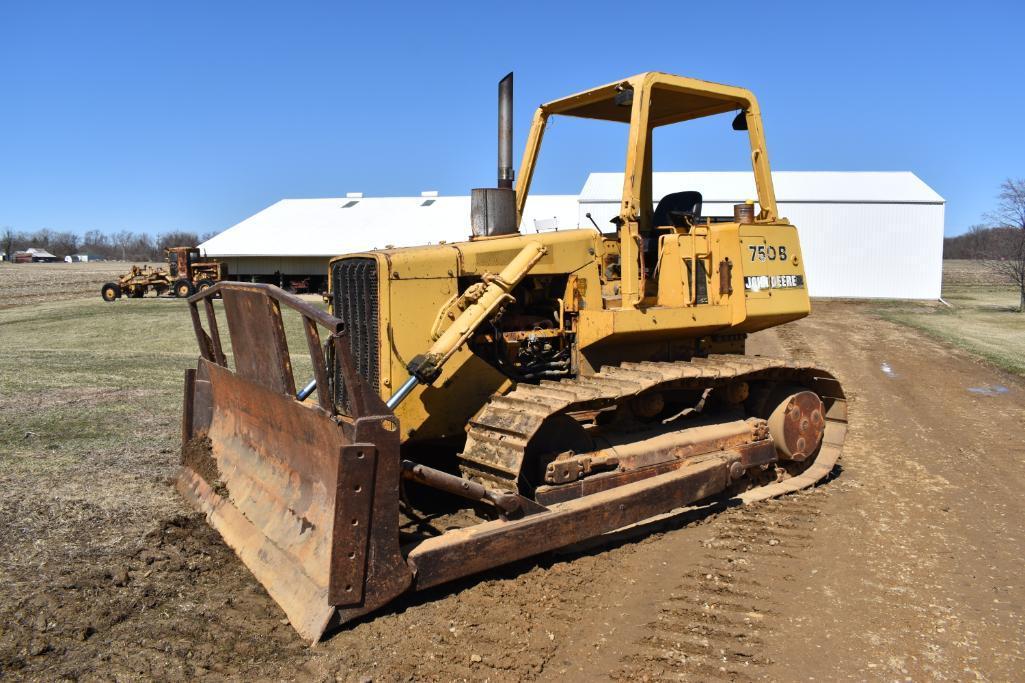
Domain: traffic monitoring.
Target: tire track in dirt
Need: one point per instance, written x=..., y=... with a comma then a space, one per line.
x=718, y=622
x=920, y=553
x=715, y=614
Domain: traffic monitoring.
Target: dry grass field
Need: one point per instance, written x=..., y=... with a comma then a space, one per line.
x=982, y=317
x=906, y=565
x=30, y=283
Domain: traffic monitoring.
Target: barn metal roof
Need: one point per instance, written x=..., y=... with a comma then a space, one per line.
x=37, y=253
x=339, y=225
x=883, y=187
x=329, y=227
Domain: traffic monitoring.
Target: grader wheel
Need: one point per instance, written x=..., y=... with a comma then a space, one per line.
x=110, y=292
x=183, y=289
x=204, y=285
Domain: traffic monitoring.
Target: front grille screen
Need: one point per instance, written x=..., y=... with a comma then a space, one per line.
x=354, y=287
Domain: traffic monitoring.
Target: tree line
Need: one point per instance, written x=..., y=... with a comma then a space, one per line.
x=1002, y=233
x=123, y=245
x=1000, y=241
x=981, y=242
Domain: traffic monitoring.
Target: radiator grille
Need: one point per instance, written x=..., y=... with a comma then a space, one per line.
x=354, y=287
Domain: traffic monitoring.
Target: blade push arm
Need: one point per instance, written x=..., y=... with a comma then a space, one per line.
x=426, y=367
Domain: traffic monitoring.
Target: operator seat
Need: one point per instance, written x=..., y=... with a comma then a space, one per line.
x=675, y=203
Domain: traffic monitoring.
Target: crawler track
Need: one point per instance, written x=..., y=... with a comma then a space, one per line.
x=499, y=437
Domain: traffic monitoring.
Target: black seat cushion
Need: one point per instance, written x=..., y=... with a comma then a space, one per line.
x=677, y=202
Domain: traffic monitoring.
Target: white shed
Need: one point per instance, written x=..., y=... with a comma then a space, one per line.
x=863, y=234
x=298, y=236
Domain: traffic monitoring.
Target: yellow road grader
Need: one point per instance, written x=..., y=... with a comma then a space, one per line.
x=185, y=274
x=477, y=403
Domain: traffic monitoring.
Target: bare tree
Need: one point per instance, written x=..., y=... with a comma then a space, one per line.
x=1014, y=269
x=1009, y=216
x=64, y=243
x=41, y=238
x=178, y=238
x=7, y=242
x=122, y=240
x=1010, y=210
x=144, y=248
x=97, y=243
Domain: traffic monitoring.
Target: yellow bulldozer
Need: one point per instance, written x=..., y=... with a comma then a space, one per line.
x=477, y=403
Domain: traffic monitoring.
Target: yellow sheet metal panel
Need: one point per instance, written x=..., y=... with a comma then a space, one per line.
x=627, y=325
x=727, y=267
x=568, y=251
x=774, y=281
x=416, y=284
x=673, y=280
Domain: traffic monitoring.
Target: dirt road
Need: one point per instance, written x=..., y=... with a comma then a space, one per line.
x=907, y=564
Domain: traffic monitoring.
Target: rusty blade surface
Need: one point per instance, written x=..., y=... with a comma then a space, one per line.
x=275, y=466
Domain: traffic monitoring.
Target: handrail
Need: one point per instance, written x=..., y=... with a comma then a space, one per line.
x=281, y=296
x=210, y=347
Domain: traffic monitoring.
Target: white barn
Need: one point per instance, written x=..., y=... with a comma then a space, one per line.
x=297, y=237
x=863, y=234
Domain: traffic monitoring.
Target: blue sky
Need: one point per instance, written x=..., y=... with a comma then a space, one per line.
x=193, y=115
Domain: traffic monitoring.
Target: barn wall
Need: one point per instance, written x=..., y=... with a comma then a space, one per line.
x=886, y=251
x=856, y=250
x=268, y=265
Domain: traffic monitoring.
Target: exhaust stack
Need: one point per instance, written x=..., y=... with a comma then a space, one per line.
x=505, y=131
x=493, y=209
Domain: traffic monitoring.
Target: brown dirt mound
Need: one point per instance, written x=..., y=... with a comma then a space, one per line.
x=180, y=581
x=198, y=456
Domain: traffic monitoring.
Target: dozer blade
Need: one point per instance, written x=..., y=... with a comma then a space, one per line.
x=307, y=500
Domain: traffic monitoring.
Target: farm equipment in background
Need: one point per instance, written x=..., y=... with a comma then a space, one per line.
x=299, y=286
x=184, y=276
x=477, y=403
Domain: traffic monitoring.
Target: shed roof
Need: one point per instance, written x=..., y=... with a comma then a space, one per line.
x=339, y=225
x=882, y=187
x=37, y=253
x=329, y=227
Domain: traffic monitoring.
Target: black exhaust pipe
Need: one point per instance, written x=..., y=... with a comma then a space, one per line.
x=493, y=209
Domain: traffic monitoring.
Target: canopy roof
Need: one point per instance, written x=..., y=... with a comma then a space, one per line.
x=677, y=99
